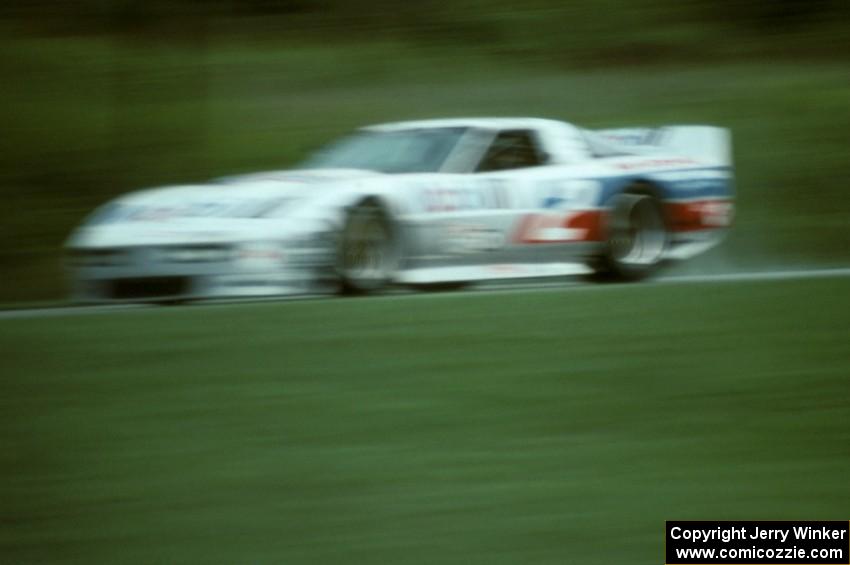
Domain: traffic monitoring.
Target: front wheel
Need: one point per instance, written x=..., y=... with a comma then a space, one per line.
x=637, y=238
x=367, y=255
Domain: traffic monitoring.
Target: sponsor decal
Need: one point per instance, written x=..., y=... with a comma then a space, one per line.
x=559, y=227
x=653, y=163
x=561, y=195
x=693, y=175
x=630, y=136
x=471, y=238
x=704, y=214
x=454, y=199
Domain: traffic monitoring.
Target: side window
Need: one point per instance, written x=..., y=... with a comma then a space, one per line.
x=512, y=150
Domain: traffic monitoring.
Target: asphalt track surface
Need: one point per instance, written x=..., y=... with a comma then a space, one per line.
x=526, y=285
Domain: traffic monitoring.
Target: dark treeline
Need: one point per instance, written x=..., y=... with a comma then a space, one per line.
x=530, y=25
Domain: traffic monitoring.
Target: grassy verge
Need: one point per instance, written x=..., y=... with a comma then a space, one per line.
x=511, y=428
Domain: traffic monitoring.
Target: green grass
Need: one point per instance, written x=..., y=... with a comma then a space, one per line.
x=552, y=427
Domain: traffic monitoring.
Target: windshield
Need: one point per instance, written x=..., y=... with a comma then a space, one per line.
x=406, y=151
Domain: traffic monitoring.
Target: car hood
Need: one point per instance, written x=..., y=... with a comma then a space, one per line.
x=227, y=192
x=239, y=208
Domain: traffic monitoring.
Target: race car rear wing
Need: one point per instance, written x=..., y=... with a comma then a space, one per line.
x=707, y=143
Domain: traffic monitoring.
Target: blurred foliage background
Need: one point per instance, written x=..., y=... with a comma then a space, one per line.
x=100, y=97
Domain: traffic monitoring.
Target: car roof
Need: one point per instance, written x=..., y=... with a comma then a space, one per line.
x=480, y=123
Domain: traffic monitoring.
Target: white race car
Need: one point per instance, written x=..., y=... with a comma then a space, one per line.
x=427, y=204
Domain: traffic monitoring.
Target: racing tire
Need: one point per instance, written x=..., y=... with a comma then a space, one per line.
x=637, y=239
x=367, y=252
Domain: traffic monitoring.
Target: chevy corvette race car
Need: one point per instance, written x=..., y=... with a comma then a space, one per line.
x=422, y=204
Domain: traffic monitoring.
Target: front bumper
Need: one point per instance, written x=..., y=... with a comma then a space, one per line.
x=178, y=273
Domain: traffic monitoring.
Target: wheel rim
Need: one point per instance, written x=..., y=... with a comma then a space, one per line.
x=638, y=233
x=367, y=255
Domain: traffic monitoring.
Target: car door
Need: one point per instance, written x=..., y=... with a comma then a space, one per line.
x=471, y=217
x=514, y=165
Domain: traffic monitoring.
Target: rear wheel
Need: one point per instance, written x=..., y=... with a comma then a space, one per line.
x=367, y=256
x=637, y=238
